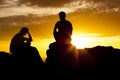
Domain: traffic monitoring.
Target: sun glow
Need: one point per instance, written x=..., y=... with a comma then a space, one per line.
x=81, y=42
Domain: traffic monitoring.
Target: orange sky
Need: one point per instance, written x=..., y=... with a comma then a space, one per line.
x=94, y=20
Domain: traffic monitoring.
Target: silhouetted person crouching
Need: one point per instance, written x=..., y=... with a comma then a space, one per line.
x=19, y=42
x=21, y=49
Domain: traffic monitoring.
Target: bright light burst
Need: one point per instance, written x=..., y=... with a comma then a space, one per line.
x=81, y=42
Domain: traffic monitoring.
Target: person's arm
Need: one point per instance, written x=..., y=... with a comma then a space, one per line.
x=30, y=38
x=55, y=29
x=70, y=29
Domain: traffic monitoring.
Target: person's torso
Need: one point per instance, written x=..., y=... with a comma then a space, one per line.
x=64, y=26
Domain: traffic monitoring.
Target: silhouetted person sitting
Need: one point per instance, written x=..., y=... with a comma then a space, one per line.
x=63, y=29
x=24, y=54
x=19, y=42
x=26, y=57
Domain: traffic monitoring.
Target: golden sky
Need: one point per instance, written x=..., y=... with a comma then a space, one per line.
x=95, y=22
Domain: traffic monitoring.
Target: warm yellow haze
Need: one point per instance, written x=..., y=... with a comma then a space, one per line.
x=80, y=41
x=103, y=30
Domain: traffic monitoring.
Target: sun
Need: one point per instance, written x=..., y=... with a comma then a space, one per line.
x=81, y=42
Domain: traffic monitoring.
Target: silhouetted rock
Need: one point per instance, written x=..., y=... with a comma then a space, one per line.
x=64, y=61
x=60, y=60
x=108, y=59
x=29, y=62
x=27, y=65
x=28, y=56
x=5, y=58
x=6, y=63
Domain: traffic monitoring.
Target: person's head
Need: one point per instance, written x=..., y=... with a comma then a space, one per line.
x=24, y=30
x=62, y=15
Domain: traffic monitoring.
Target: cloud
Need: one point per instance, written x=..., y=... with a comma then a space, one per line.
x=60, y=3
x=101, y=4
x=98, y=35
x=106, y=5
x=8, y=3
x=52, y=7
x=2, y=1
x=45, y=3
x=11, y=25
x=17, y=20
x=41, y=11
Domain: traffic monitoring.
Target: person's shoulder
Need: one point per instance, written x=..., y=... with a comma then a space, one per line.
x=68, y=21
x=17, y=34
x=58, y=22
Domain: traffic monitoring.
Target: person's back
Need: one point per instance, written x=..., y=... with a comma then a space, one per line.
x=64, y=27
x=16, y=43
